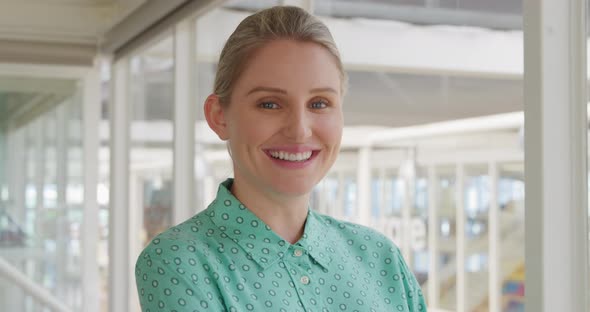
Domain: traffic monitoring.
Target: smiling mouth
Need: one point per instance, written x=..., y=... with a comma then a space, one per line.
x=294, y=157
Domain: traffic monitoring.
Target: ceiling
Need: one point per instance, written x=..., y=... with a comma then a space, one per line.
x=493, y=14
x=23, y=99
x=375, y=98
x=61, y=21
x=56, y=30
x=487, y=6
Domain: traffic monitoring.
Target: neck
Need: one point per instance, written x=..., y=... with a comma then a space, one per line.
x=285, y=215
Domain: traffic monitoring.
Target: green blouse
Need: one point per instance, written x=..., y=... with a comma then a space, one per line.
x=227, y=259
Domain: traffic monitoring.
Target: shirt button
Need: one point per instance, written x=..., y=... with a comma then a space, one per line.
x=304, y=280
x=298, y=253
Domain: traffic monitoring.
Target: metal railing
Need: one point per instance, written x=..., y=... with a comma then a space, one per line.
x=40, y=294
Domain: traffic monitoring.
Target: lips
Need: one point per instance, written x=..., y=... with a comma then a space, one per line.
x=282, y=155
x=292, y=157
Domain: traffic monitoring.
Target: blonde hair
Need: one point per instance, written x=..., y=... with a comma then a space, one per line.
x=279, y=22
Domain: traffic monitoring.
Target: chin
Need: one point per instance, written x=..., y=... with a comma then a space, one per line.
x=293, y=187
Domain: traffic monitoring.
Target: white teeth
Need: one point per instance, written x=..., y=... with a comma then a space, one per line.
x=291, y=156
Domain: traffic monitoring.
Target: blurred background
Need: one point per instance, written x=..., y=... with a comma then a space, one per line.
x=103, y=143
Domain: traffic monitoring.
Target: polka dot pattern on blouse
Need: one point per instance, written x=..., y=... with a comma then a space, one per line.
x=227, y=259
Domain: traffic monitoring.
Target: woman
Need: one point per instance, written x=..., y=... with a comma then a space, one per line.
x=258, y=247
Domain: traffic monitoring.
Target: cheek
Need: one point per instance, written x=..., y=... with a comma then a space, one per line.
x=330, y=129
x=247, y=131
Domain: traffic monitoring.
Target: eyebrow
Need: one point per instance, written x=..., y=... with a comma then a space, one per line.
x=326, y=89
x=267, y=89
x=278, y=90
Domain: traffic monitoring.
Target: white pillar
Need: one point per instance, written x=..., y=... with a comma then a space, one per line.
x=433, y=282
x=201, y=167
x=137, y=234
x=91, y=112
x=322, y=206
x=3, y=161
x=61, y=175
x=38, y=132
x=382, y=191
x=184, y=120
x=19, y=172
x=9, y=165
x=407, y=172
x=338, y=210
x=556, y=205
x=364, y=186
x=460, y=236
x=120, y=270
x=17, y=162
x=136, y=98
x=495, y=270
x=38, y=269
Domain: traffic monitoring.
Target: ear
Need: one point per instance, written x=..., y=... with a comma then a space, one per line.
x=215, y=115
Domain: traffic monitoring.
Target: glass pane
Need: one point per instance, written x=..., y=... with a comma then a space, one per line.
x=388, y=198
x=70, y=232
x=41, y=189
x=476, y=205
x=350, y=197
x=324, y=195
x=377, y=192
x=588, y=151
x=103, y=199
x=418, y=230
x=447, y=238
x=151, y=151
x=511, y=202
x=414, y=63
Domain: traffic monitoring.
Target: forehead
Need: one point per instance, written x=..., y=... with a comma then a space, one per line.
x=291, y=63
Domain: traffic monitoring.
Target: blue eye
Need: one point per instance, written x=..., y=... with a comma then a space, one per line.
x=269, y=105
x=319, y=104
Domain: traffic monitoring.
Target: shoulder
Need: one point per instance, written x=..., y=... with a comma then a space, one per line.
x=175, y=270
x=188, y=240
x=351, y=234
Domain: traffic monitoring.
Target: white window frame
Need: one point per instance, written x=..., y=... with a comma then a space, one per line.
x=88, y=76
x=556, y=204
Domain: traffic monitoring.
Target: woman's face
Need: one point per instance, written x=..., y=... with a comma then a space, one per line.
x=284, y=120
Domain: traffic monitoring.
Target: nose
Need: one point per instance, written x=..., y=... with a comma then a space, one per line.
x=298, y=124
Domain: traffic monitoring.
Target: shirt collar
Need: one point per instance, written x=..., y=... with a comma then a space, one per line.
x=261, y=243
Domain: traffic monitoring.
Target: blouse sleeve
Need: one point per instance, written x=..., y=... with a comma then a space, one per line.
x=162, y=285
x=413, y=292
